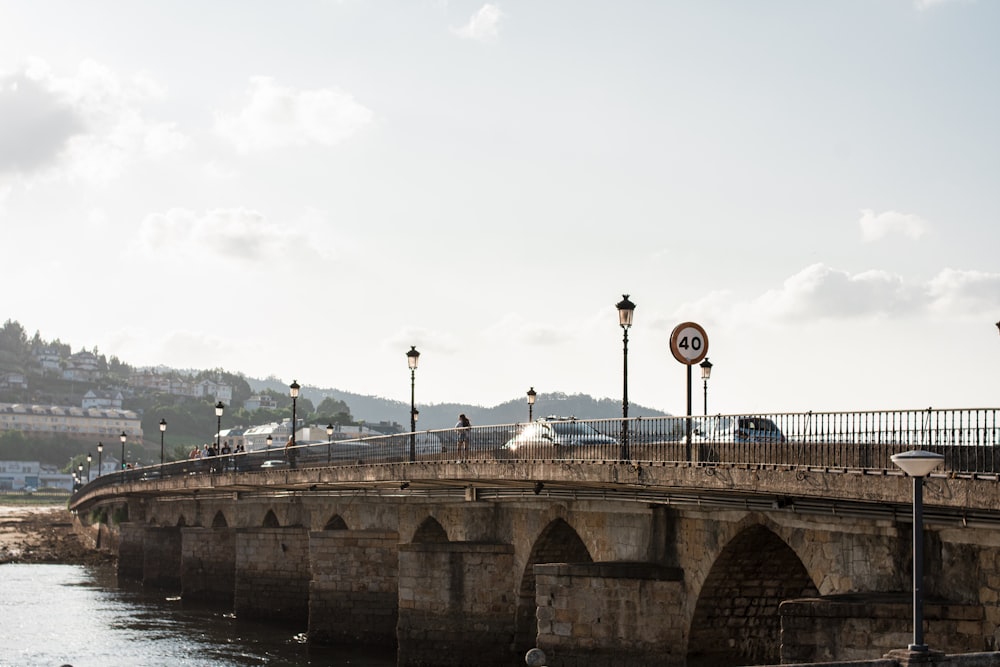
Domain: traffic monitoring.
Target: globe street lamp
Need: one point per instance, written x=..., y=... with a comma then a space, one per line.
x=100, y=452
x=531, y=401
x=123, y=438
x=267, y=441
x=329, y=441
x=706, y=373
x=293, y=389
x=918, y=464
x=89, y=459
x=625, y=310
x=412, y=357
x=163, y=428
x=79, y=473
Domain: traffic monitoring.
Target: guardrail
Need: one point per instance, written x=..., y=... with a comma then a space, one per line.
x=967, y=438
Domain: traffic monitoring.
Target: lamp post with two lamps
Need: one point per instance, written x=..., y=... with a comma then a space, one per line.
x=706, y=373
x=412, y=357
x=531, y=402
x=293, y=390
x=918, y=464
x=625, y=310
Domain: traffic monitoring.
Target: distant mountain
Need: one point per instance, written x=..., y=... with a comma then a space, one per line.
x=444, y=415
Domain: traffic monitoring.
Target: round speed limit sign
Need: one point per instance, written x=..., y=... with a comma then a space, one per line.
x=689, y=343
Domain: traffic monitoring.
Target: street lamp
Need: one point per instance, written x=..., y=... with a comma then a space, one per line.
x=219, y=409
x=918, y=464
x=706, y=373
x=329, y=441
x=531, y=401
x=79, y=473
x=625, y=310
x=163, y=428
x=123, y=438
x=100, y=452
x=412, y=357
x=267, y=441
x=89, y=459
x=293, y=389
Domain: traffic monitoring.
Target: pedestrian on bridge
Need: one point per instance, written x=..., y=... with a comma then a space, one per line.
x=290, y=453
x=463, y=426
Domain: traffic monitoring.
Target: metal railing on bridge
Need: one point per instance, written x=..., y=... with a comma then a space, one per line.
x=967, y=438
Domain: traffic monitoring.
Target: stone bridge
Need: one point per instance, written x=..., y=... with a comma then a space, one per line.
x=596, y=562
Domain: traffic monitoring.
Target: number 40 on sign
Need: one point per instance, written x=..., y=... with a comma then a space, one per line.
x=689, y=343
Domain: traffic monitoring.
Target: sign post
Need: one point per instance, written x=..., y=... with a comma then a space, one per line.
x=689, y=345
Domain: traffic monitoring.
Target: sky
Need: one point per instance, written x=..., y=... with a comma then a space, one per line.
x=305, y=189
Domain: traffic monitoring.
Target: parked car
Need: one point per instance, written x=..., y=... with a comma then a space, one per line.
x=557, y=432
x=736, y=429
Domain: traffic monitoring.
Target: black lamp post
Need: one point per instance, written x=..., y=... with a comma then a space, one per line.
x=163, y=428
x=79, y=473
x=329, y=441
x=267, y=441
x=89, y=459
x=219, y=409
x=531, y=402
x=412, y=357
x=625, y=310
x=918, y=464
x=123, y=438
x=100, y=452
x=293, y=390
x=706, y=373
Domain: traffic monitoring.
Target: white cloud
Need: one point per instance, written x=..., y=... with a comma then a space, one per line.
x=89, y=126
x=965, y=292
x=877, y=226
x=236, y=234
x=822, y=293
x=484, y=26
x=277, y=117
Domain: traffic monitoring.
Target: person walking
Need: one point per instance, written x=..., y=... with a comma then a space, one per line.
x=463, y=426
x=290, y=453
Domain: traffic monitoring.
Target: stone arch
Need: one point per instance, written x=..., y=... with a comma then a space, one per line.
x=336, y=522
x=736, y=619
x=219, y=520
x=271, y=520
x=430, y=531
x=557, y=543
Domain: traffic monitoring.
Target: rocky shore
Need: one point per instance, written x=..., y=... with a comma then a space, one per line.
x=43, y=534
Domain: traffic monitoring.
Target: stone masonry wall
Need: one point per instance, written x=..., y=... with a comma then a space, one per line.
x=456, y=604
x=353, y=595
x=161, y=557
x=864, y=627
x=272, y=574
x=130, y=550
x=208, y=564
x=608, y=614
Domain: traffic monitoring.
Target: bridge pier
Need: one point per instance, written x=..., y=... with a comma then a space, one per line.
x=161, y=557
x=208, y=564
x=456, y=604
x=131, y=555
x=611, y=613
x=272, y=574
x=353, y=595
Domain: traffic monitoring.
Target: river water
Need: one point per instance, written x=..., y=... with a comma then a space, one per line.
x=53, y=615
